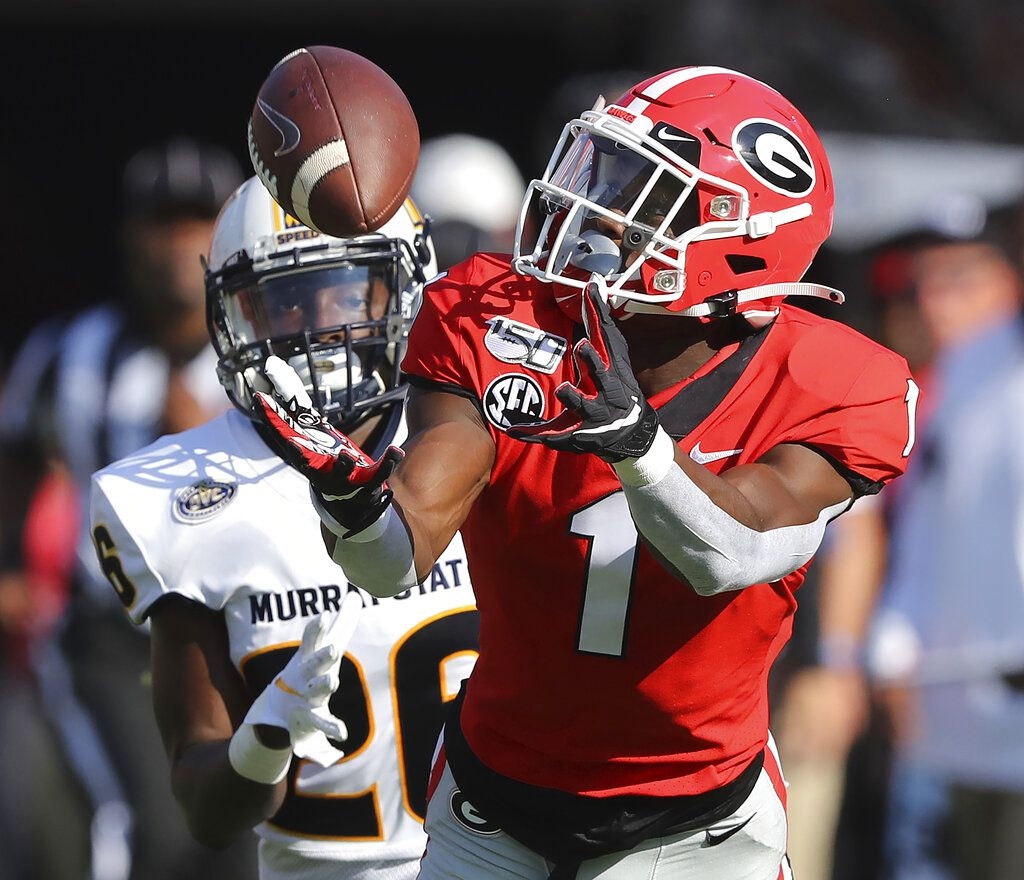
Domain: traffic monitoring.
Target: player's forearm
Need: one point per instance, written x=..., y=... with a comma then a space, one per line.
x=379, y=558
x=443, y=474
x=398, y=551
x=706, y=544
x=447, y=464
x=218, y=803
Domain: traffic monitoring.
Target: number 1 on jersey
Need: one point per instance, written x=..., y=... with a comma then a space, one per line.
x=913, y=392
x=611, y=562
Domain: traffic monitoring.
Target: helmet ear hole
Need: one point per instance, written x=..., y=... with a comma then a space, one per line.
x=741, y=264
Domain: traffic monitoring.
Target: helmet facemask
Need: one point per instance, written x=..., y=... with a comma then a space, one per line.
x=337, y=314
x=612, y=204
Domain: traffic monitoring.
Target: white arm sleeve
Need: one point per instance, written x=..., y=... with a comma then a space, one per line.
x=699, y=540
x=379, y=558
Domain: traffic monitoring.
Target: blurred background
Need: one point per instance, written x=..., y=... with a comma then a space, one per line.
x=919, y=104
x=88, y=83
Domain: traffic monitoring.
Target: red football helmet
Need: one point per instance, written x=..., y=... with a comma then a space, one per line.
x=700, y=192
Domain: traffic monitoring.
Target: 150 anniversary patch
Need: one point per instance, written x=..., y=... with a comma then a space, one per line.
x=516, y=343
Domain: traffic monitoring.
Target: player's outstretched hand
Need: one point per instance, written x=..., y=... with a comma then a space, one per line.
x=352, y=485
x=297, y=699
x=605, y=411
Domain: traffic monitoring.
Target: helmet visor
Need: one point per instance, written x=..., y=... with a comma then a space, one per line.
x=612, y=175
x=606, y=203
x=320, y=301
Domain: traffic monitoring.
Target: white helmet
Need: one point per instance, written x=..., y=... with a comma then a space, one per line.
x=472, y=189
x=336, y=309
x=464, y=177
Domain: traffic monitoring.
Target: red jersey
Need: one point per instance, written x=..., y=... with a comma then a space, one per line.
x=599, y=672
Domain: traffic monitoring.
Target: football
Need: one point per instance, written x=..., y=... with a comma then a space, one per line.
x=334, y=139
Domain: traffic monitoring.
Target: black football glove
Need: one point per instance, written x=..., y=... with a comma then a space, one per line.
x=605, y=413
x=352, y=486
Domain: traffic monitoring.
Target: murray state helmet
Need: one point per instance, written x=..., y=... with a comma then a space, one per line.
x=700, y=192
x=336, y=309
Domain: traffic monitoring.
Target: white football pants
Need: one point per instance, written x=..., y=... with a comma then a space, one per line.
x=748, y=845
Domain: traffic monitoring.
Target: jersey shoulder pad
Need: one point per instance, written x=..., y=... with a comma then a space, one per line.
x=157, y=515
x=455, y=310
x=858, y=399
x=482, y=317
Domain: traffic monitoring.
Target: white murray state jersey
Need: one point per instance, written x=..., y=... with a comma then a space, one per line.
x=211, y=514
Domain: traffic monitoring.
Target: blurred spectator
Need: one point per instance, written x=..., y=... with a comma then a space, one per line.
x=472, y=190
x=944, y=69
x=32, y=597
x=948, y=642
x=83, y=390
x=945, y=277
x=822, y=703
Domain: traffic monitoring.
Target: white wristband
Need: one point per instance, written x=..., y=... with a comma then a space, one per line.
x=255, y=761
x=379, y=558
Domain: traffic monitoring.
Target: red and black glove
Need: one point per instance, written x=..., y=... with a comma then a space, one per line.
x=352, y=486
x=606, y=413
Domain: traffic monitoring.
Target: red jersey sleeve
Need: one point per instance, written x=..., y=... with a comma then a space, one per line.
x=868, y=431
x=457, y=308
x=436, y=349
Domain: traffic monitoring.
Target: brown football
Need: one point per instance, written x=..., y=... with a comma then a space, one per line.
x=334, y=139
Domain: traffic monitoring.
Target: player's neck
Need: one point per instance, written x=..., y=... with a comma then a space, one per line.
x=666, y=350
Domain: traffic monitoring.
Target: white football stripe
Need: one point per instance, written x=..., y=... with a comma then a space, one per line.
x=317, y=166
x=287, y=58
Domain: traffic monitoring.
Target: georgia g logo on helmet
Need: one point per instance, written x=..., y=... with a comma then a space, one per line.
x=775, y=156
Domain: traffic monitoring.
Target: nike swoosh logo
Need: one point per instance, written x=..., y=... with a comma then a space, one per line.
x=289, y=131
x=715, y=839
x=668, y=136
x=631, y=419
x=702, y=457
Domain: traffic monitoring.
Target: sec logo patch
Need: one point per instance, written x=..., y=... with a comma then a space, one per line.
x=513, y=399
